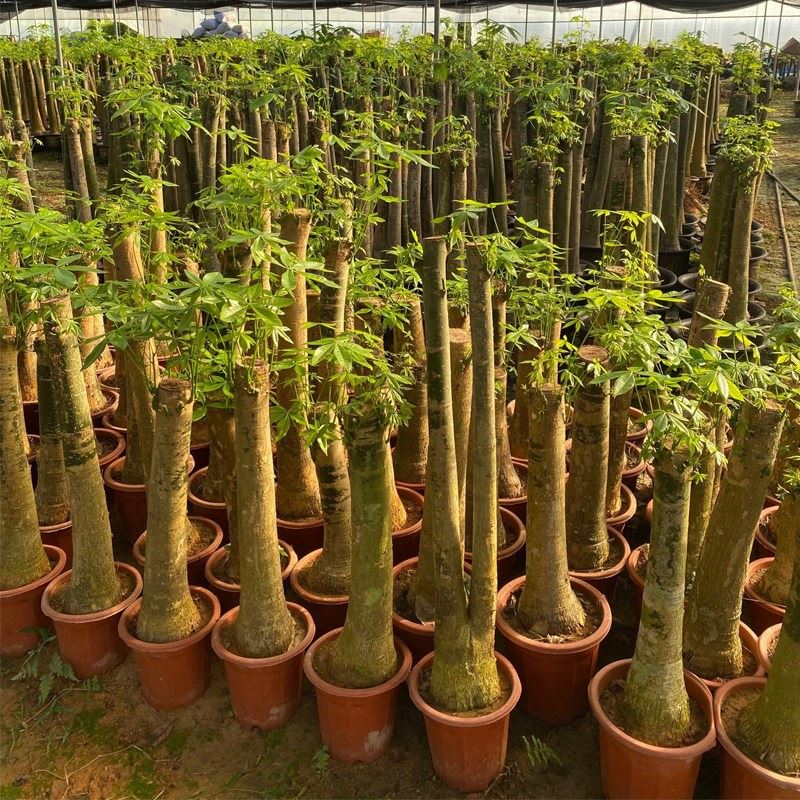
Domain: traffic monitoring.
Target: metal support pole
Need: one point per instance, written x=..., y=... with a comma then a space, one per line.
x=625, y=21
x=553, y=35
x=136, y=9
x=777, y=44
x=600, y=31
x=16, y=12
x=250, y=19
x=764, y=26
x=272, y=15
x=314, y=18
x=639, y=26
x=425, y=17
x=363, y=21
x=527, y=13
x=437, y=14
x=114, y=17
x=57, y=36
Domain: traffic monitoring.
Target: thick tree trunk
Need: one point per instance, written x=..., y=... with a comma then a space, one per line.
x=619, y=410
x=168, y=612
x=93, y=585
x=711, y=644
x=776, y=581
x=738, y=271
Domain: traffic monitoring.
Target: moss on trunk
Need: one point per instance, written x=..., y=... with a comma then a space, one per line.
x=93, y=584
x=711, y=644
x=655, y=705
x=263, y=627
x=168, y=612
x=587, y=535
x=22, y=557
x=548, y=605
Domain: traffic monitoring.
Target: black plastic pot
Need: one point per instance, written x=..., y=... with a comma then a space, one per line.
x=689, y=281
x=757, y=255
x=677, y=261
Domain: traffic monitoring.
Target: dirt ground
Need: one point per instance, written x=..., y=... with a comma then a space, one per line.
x=99, y=740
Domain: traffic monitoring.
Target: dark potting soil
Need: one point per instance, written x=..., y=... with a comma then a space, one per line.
x=299, y=630
x=611, y=702
x=505, y=692
x=322, y=663
x=199, y=490
x=127, y=583
x=105, y=445
x=594, y=616
x=632, y=459
x=413, y=512
x=635, y=426
x=766, y=530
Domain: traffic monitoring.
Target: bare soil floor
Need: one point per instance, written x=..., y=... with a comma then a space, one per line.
x=99, y=740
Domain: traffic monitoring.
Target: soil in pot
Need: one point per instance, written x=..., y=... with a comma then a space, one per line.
x=761, y=613
x=355, y=724
x=555, y=671
x=518, y=505
x=225, y=587
x=21, y=609
x=507, y=561
x=767, y=643
x=605, y=578
x=264, y=692
x=631, y=768
x=405, y=542
x=112, y=401
x=110, y=445
x=743, y=774
x=627, y=508
x=765, y=540
x=468, y=750
x=750, y=663
x=209, y=507
x=173, y=674
x=327, y=611
x=90, y=643
x=200, y=445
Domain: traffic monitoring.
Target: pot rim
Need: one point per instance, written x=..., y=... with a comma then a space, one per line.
x=119, y=447
x=196, y=499
x=610, y=572
x=229, y=617
x=52, y=552
x=315, y=522
x=443, y=718
x=162, y=648
x=555, y=648
x=609, y=673
x=731, y=749
x=632, y=563
x=307, y=594
x=110, y=426
x=397, y=619
x=95, y=616
x=639, y=468
x=627, y=509
x=768, y=636
x=206, y=552
x=517, y=544
x=765, y=512
x=418, y=500
x=414, y=487
x=752, y=594
x=318, y=682
x=119, y=486
x=112, y=396
x=59, y=526
x=637, y=413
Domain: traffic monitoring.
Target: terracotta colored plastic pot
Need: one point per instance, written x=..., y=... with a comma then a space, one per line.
x=416, y=636
x=648, y=512
x=264, y=692
x=761, y=613
x=637, y=436
x=116, y=442
x=740, y=777
x=21, y=609
x=108, y=377
x=468, y=752
x=59, y=536
x=631, y=475
x=228, y=593
x=419, y=488
x=555, y=677
x=196, y=564
x=507, y=556
x=173, y=674
x=107, y=421
x=630, y=768
x=91, y=642
x=749, y=642
x=130, y=500
x=200, y=452
x=356, y=724
x=328, y=612
x=110, y=406
x=762, y=546
x=304, y=537
x=518, y=505
x=405, y=542
x=766, y=646
x=637, y=582
x=206, y=508
x=606, y=579
x=626, y=511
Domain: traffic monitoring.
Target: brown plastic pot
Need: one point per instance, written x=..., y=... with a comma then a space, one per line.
x=626, y=511
x=328, y=611
x=130, y=500
x=416, y=636
x=110, y=406
x=108, y=377
x=172, y=674
x=356, y=724
x=206, y=508
x=264, y=692
x=740, y=777
x=59, y=536
x=468, y=752
x=21, y=609
x=107, y=421
x=200, y=453
x=630, y=476
x=630, y=768
x=195, y=564
x=228, y=593
x=749, y=642
x=518, y=505
x=405, y=542
x=762, y=546
x=118, y=447
x=761, y=613
x=606, y=579
x=90, y=643
x=555, y=676
x=304, y=537
x=637, y=436
x=766, y=646
x=419, y=488
x=507, y=556
x=636, y=582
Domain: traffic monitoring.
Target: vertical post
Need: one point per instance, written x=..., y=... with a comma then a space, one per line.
x=639, y=26
x=113, y=17
x=272, y=15
x=650, y=34
x=425, y=17
x=527, y=13
x=437, y=14
x=625, y=21
x=80, y=20
x=553, y=35
x=600, y=31
x=136, y=8
x=250, y=19
x=314, y=18
x=57, y=36
x=363, y=20
x=777, y=44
